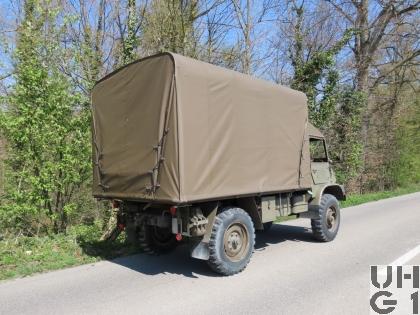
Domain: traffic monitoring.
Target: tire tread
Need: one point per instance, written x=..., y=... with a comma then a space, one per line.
x=317, y=224
x=214, y=263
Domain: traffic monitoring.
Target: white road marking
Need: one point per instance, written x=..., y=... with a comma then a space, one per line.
x=403, y=259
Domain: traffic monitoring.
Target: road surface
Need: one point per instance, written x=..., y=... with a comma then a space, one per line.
x=288, y=274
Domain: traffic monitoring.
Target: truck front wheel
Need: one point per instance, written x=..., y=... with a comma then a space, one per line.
x=231, y=242
x=325, y=226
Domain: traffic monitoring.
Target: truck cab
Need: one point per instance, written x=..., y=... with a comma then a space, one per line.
x=322, y=173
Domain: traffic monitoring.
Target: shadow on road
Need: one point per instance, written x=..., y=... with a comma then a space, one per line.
x=282, y=232
x=175, y=262
x=179, y=261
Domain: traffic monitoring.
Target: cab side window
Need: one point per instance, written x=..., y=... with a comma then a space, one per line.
x=317, y=150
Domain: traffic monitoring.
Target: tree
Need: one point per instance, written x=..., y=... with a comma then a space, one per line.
x=314, y=64
x=392, y=98
x=170, y=27
x=130, y=23
x=245, y=21
x=87, y=36
x=130, y=42
x=217, y=25
x=370, y=29
x=344, y=142
x=249, y=20
x=373, y=24
x=406, y=169
x=45, y=128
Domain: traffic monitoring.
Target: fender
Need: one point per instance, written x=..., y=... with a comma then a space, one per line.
x=200, y=250
x=333, y=189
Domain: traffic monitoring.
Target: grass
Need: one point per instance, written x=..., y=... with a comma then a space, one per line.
x=354, y=200
x=24, y=256
x=288, y=218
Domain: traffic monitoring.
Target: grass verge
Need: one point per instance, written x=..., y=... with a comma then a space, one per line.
x=354, y=200
x=23, y=256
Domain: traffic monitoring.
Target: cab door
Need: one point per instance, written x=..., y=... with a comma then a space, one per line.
x=320, y=167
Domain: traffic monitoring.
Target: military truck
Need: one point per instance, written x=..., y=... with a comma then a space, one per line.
x=191, y=151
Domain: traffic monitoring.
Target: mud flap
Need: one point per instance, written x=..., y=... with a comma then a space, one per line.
x=200, y=250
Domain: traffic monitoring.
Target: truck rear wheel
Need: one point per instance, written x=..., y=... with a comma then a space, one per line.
x=231, y=242
x=327, y=223
x=161, y=239
x=153, y=239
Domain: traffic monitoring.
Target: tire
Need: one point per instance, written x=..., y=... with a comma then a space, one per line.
x=231, y=242
x=161, y=239
x=155, y=240
x=327, y=223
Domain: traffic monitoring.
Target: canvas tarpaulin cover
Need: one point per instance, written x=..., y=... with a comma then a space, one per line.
x=173, y=129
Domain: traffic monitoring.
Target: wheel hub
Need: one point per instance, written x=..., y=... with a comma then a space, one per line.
x=331, y=218
x=236, y=242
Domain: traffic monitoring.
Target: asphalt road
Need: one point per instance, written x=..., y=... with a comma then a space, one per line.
x=288, y=274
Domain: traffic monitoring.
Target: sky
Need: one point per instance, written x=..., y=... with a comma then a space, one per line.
x=263, y=40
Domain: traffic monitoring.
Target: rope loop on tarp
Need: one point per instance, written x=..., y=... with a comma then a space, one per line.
x=160, y=147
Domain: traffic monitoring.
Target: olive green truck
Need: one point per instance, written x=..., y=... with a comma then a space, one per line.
x=190, y=151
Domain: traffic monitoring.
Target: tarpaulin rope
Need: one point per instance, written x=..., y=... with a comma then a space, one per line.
x=160, y=147
x=301, y=152
x=98, y=153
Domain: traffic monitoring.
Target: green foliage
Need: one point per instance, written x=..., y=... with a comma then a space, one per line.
x=344, y=136
x=23, y=256
x=316, y=76
x=318, y=79
x=46, y=130
x=130, y=43
x=407, y=167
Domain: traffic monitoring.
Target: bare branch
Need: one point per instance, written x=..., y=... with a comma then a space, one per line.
x=5, y=76
x=341, y=11
x=396, y=67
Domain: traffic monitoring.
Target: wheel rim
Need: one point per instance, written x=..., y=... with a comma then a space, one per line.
x=332, y=218
x=236, y=242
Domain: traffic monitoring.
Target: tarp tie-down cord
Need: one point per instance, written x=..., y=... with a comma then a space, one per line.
x=301, y=153
x=160, y=147
x=98, y=155
x=98, y=166
x=154, y=172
